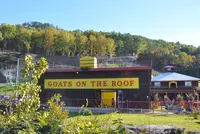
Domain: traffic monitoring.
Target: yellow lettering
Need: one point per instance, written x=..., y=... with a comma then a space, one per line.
x=96, y=83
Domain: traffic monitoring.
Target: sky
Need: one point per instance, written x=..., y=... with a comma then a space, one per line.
x=170, y=20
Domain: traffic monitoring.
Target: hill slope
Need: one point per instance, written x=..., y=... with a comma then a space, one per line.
x=46, y=39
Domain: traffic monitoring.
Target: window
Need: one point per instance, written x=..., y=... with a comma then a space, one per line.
x=169, y=69
x=157, y=84
x=188, y=83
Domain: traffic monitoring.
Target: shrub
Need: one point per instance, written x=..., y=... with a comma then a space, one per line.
x=195, y=114
x=94, y=124
x=25, y=116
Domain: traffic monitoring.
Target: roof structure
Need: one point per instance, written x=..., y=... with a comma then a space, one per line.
x=173, y=76
x=169, y=67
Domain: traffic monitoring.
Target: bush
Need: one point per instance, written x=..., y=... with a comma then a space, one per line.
x=195, y=114
x=51, y=121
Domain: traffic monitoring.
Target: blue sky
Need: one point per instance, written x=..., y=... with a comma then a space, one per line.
x=171, y=20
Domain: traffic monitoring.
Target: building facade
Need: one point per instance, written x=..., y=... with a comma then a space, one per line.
x=173, y=83
x=100, y=86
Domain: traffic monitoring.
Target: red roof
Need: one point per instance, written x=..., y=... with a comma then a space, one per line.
x=103, y=69
x=169, y=67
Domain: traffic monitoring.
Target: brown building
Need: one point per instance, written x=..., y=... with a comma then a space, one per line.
x=99, y=85
x=173, y=83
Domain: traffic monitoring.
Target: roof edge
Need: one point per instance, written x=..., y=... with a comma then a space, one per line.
x=172, y=80
x=160, y=77
x=104, y=69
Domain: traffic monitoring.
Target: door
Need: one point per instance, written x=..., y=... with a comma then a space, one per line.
x=173, y=84
x=198, y=84
x=108, y=99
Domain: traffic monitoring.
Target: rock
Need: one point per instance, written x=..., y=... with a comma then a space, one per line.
x=156, y=129
x=193, y=132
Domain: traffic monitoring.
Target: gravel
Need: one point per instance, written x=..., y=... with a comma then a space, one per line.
x=156, y=129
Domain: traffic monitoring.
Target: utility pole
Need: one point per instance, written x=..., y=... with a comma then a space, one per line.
x=17, y=80
x=17, y=76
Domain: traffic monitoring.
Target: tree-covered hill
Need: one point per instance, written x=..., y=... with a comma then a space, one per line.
x=46, y=39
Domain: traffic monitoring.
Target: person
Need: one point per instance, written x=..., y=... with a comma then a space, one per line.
x=173, y=101
x=113, y=102
x=188, y=106
x=19, y=98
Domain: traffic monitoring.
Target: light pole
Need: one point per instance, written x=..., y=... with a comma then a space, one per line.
x=17, y=76
x=120, y=99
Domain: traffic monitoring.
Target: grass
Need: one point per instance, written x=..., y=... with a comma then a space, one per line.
x=73, y=114
x=7, y=93
x=2, y=84
x=113, y=65
x=185, y=121
x=5, y=89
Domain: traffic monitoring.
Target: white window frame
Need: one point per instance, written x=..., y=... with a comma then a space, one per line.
x=157, y=84
x=188, y=83
x=169, y=69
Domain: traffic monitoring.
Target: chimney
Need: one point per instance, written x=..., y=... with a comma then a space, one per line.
x=169, y=68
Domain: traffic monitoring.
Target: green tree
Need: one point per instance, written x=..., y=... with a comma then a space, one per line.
x=38, y=25
x=8, y=32
x=62, y=42
x=24, y=117
x=24, y=35
x=27, y=117
x=91, y=44
x=45, y=39
x=73, y=48
x=1, y=37
x=100, y=46
x=81, y=43
x=48, y=41
x=111, y=47
x=37, y=41
x=198, y=51
x=119, y=47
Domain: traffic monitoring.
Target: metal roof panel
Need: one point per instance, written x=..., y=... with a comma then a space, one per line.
x=172, y=76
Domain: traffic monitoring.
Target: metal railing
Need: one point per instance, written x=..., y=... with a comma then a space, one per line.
x=160, y=106
x=64, y=62
x=130, y=106
x=125, y=106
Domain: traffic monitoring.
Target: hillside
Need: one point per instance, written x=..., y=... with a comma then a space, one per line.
x=47, y=40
